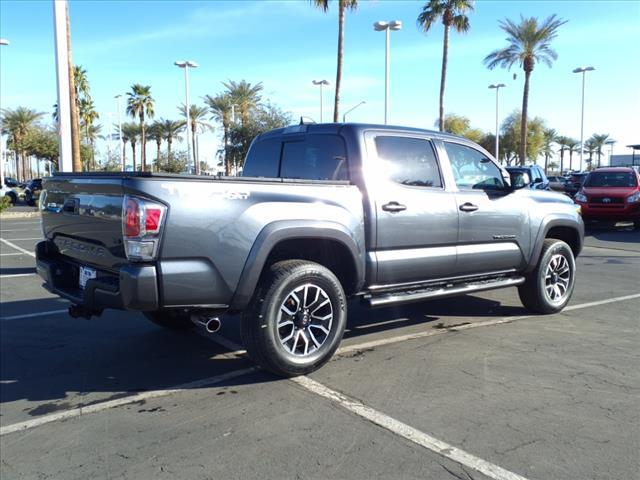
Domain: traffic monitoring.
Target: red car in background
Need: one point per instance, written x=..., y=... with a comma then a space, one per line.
x=611, y=193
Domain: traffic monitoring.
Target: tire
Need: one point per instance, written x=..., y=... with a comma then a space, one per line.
x=171, y=320
x=12, y=198
x=557, y=262
x=310, y=333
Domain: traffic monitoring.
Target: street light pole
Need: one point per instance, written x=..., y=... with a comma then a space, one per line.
x=117, y=97
x=497, y=87
x=582, y=70
x=344, y=115
x=2, y=157
x=386, y=27
x=65, y=163
x=321, y=83
x=186, y=64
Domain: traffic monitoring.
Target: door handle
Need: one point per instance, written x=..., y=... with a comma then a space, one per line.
x=468, y=207
x=393, y=207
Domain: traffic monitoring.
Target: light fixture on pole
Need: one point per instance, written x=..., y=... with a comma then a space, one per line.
x=3, y=41
x=583, y=71
x=497, y=86
x=187, y=64
x=321, y=83
x=386, y=27
x=344, y=116
x=117, y=97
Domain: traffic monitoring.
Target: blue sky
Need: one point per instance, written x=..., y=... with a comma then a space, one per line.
x=287, y=44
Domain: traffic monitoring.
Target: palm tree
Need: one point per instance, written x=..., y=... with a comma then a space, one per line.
x=131, y=133
x=93, y=133
x=245, y=96
x=572, y=146
x=197, y=124
x=16, y=124
x=599, y=140
x=452, y=13
x=140, y=103
x=88, y=115
x=155, y=133
x=590, y=147
x=562, y=141
x=550, y=137
x=73, y=100
x=81, y=82
x=220, y=107
x=171, y=131
x=343, y=5
x=529, y=42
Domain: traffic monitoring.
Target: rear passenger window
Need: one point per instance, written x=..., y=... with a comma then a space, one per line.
x=263, y=159
x=317, y=157
x=409, y=161
x=472, y=169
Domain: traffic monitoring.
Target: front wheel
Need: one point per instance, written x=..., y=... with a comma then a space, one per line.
x=296, y=319
x=549, y=287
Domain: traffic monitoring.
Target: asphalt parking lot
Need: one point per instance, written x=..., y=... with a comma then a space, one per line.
x=466, y=388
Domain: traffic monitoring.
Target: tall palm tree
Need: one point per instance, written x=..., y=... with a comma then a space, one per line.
x=343, y=5
x=81, y=82
x=220, y=107
x=550, y=137
x=93, y=133
x=131, y=133
x=572, y=146
x=16, y=124
x=155, y=133
x=590, y=147
x=245, y=96
x=452, y=13
x=171, y=131
x=73, y=100
x=88, y=115
x=562, y=141
x=529, y=43
x=198, y=124
x=599, y=140
x=139, y=104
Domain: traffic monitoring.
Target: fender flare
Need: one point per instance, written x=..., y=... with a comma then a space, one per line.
x=278, y=231
x=549, y=222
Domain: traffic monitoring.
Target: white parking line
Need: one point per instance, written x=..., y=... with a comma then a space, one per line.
x=486, y=323
x=2, y=230
x=32, y=315
x=30, y=238
x=98, y=407
x=9, y=254
x=16, y=247
x=14, y=275
x=405, y=431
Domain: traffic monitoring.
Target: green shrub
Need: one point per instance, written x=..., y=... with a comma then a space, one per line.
x=5, y=203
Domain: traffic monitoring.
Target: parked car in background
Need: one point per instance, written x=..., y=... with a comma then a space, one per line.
x=5, y=191
x=538, y=180
x=32, y=192
x=611, y=193
x=574, y=183
x=557, y=183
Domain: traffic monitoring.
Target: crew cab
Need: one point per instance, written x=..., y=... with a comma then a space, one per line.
x=611, y=193
x=323, y=212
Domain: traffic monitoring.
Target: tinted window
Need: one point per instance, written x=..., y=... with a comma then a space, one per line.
x=409, y=161
x=472, y=169
x=611, y=179
x=537, y=175
x=263, y=159
x=317, y=157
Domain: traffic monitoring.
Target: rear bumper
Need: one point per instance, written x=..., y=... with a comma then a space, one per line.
x=134, y=287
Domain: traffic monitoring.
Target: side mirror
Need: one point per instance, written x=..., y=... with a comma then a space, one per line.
x=519, y=180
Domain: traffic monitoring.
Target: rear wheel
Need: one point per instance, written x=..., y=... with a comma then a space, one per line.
x=549, y=287
x=297, y=318
x=170, y=319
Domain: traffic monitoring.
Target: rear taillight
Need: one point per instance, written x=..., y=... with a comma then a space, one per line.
x=141, y=227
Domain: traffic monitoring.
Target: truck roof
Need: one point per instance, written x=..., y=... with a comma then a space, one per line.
x=337, y=128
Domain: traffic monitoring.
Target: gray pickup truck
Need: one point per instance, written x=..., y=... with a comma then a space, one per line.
x=322, y=213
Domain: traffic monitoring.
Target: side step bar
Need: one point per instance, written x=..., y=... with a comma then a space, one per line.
x=397, y=298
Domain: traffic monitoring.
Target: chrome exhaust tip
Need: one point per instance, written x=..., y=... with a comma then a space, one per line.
x=210, y=324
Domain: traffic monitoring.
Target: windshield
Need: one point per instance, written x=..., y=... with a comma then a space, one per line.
x=611, y=179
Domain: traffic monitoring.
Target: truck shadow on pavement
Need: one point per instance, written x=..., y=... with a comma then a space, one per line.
x=53, y=362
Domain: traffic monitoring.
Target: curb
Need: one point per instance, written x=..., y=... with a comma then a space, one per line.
x=17, y=215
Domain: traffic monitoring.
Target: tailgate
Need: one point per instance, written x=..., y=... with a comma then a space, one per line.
x=82, y=216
